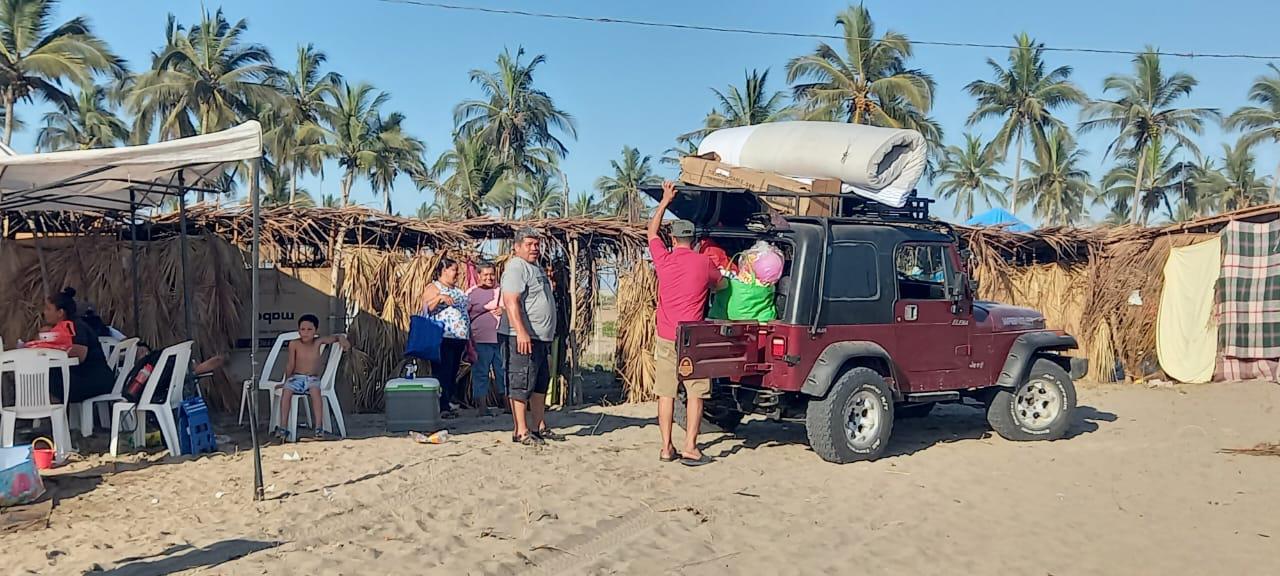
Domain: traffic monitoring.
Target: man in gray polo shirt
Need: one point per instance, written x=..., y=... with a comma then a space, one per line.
x=526, y=331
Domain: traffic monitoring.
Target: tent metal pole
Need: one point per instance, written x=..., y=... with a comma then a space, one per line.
x=133, y=268
x=182, y=248
x=253, y=330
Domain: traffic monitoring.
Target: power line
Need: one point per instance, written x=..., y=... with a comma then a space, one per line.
x=785, y=34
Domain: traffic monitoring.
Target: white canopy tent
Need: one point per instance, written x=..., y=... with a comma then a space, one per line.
x=118, y=178
x=127, y=178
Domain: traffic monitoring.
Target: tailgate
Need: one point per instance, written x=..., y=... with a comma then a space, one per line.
x=719, y=350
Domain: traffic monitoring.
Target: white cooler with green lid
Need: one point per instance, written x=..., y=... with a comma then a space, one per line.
x=413, y=404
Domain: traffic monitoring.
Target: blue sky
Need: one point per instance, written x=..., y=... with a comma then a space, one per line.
x=639, y=86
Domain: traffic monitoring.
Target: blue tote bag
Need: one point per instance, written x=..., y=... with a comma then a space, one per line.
x=425, y=335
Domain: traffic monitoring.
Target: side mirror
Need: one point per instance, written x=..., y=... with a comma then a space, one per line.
x=956, y=288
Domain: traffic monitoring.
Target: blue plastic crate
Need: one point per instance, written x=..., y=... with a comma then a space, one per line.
x=195, y=432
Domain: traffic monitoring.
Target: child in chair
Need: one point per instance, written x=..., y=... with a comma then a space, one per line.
x=302, y=374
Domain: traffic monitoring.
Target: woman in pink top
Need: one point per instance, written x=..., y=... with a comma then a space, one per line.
x=485, y=311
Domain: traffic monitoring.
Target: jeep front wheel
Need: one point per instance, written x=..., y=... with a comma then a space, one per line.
x=1040, y=408
x=853, y=422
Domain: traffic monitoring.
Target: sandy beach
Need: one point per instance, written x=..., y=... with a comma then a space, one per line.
x=1139, y=488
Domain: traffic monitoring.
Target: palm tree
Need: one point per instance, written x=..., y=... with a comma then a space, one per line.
x=206, y=79
x=1144, y=114
x=621, y=191
x=1237, y=184
x=329, y=201
x=1117, y=215
x=1261, y=123
x=1165, y=179
x=1056, y=179
x=967, y=174
x=514, y=117
x=753, y=104
x=304, y=99
x=869, y=83
x=347, y=131
x=395, y=153
x=278, y=190
x=543, y=196
x=89, y=122
x=684, y=147
x=585, y=206
x=430, y=211
x=467, y=178
x=36, y=56
x=1025, y=95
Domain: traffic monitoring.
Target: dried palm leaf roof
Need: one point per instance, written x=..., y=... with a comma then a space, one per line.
x=1079, y=244
x=288, y=228
x=307, y=234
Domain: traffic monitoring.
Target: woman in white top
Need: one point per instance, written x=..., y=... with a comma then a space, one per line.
x=446, y=303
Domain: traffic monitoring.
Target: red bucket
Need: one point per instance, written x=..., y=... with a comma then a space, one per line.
x=43, y=457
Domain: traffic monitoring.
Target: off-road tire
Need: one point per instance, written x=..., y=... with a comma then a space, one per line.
x=917, y=411
x=826, y=418
x=722, y=421
x=1007, y=414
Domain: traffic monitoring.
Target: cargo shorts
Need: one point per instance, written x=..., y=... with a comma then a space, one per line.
x=666, y=381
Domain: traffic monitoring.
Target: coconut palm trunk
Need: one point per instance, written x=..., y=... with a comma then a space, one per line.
x=293, y=186
x=346, y=188
x=8, y=116
x=1017, y=172
x=1137, y=187
x=1274, y=181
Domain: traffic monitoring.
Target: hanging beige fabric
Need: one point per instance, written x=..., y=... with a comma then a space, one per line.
x=1186, y=334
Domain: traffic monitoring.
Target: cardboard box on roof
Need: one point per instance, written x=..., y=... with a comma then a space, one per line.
x=709, y=171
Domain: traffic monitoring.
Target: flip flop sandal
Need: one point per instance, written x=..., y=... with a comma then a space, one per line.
x=695, y=462
x=548, y=434
x=668, y=458
x=531, y=440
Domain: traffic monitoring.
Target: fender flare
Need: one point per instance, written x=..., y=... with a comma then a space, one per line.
x=825, y=370
x=1023, y=352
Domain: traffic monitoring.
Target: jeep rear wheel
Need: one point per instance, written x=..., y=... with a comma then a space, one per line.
x=1040, y=408
x=715, y=417
x=853, y=422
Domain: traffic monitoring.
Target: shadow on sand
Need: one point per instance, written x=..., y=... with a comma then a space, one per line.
x=185, y=557
x=947, y=424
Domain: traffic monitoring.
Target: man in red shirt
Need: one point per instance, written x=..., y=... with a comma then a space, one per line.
x=685, y=279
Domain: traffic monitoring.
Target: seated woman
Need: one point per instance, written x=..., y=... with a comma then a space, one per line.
x=91, y=377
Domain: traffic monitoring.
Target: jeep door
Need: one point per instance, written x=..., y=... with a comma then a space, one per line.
x=932, y=326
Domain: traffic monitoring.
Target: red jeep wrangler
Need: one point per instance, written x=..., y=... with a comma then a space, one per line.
x=876, y=321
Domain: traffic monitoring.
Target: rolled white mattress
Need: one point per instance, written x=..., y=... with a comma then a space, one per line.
x=883, y=164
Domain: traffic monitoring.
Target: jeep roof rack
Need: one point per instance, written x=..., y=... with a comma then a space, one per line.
x=853, y=209
x=853, y=206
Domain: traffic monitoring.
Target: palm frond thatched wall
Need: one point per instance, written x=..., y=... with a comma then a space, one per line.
x=98, y=267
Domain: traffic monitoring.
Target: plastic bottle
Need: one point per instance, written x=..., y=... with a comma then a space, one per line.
x=140, y=381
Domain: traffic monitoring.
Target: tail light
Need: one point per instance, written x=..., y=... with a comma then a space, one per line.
x=778, y=347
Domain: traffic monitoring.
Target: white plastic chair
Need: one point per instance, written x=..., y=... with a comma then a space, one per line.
x=328, y=395
x=265, y=383
x=109, y=345
x=180, y=356
x=122, y=359
x=32, y=401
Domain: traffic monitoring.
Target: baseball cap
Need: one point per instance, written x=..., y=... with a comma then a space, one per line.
x=682, y=229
